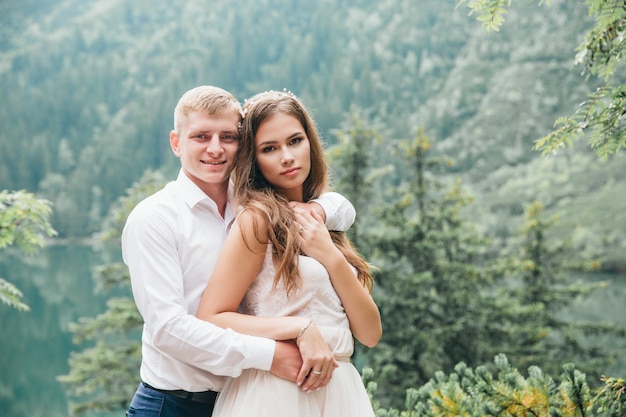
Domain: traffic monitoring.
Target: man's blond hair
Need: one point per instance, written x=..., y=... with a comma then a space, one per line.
x=208, y=99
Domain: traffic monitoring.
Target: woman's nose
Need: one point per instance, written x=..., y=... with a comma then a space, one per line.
x=287, y=158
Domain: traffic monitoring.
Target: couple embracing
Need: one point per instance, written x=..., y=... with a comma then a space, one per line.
x=248, y=286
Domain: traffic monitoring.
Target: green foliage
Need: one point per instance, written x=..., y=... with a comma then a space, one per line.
x=490, y=13
x=102, y=122
x=103, y=377
x=11, y=295
x=354, y=175
x=24, y=220
x=150, y=183
x=446, y=296
x=542, y=280
x=431, y=285
x=24, y=223
x=501, y=390
x=602, y=121
x=601, y=55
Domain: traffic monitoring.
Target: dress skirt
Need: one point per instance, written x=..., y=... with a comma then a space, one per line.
x=261, y=394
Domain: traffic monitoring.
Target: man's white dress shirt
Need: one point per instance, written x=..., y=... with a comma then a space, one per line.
x=170, y=243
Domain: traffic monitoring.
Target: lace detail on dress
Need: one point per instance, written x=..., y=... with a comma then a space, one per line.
x=262, y=291
x=315, y=299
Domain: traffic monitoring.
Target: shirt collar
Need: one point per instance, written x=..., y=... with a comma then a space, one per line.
x=192, y=194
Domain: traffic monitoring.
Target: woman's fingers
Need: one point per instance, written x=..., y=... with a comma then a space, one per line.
x=318, y=361
x=315, y=239
x=316, y=378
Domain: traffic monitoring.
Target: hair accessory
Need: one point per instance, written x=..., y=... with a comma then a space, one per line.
x=266, y=94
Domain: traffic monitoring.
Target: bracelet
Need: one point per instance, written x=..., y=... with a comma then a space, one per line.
x=303, y=330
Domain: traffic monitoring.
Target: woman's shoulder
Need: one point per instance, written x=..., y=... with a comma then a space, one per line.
x=253, y=221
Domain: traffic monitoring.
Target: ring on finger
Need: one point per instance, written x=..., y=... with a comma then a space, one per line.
x=317, y=372
x=301, y=229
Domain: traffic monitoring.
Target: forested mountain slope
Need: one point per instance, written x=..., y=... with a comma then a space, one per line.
x=88, y=88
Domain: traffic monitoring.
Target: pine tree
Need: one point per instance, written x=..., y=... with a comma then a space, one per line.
x=542, y=287
x=502, y=390
x=602, y=56
x=431, y=282
x=354, y=174
x=103, y=377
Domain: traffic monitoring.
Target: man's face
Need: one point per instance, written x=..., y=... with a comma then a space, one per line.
x=207, y=146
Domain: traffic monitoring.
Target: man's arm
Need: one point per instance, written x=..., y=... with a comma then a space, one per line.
x=336, y=210
x=150, y=251
x=239, y=263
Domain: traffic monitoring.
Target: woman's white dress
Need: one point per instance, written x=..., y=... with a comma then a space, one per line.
x=260, y=393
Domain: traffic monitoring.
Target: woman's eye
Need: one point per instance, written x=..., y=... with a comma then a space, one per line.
x=267, y=149
x=296, y=140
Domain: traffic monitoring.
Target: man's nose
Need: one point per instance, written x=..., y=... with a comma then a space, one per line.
x=214, y=144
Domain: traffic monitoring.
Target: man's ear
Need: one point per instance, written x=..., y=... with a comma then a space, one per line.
x=175, y=143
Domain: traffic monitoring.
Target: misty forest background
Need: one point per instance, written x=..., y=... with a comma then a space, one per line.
x=89, y=86
x=420, y=107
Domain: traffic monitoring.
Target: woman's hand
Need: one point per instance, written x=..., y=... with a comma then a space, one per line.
x=357, y=302
x=318, y=361
x=315, y=239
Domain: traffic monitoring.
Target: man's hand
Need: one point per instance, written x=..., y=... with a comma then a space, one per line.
x=311, y=207
x=287, y=361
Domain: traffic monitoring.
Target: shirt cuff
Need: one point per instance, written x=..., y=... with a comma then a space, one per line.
x=259, y=353
x=340, y=213
x=329, y=207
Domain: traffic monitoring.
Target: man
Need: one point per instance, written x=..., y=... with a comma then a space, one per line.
x=171, y=242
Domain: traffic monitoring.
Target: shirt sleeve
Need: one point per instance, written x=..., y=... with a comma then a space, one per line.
x=340, y=213
x=149, y=247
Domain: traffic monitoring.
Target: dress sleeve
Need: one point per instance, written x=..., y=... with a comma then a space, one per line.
x=340, y=212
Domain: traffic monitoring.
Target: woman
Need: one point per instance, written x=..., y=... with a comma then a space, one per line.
x=288, y=275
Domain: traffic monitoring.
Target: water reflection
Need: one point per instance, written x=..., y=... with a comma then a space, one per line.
x=58, y=286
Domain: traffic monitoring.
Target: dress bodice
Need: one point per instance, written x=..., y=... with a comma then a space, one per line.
x=315, y=298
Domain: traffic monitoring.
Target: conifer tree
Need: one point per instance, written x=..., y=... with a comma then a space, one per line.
x=501, y=390
x=443, y=300
x=431, y=281
x=103, y=376
x=601, y=55
x=543, y=284
x=354, y=174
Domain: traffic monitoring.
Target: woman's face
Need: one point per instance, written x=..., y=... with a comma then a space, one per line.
x=283, y=154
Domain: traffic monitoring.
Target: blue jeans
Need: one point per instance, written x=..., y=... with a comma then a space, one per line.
x=151, y=403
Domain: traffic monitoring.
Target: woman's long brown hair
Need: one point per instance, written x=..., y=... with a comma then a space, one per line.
x=253, y=192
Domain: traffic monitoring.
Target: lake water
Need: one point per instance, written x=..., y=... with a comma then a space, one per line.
x=57, y=284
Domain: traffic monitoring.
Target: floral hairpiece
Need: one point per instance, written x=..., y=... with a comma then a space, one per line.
x=243, y=111
x=266, y=94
